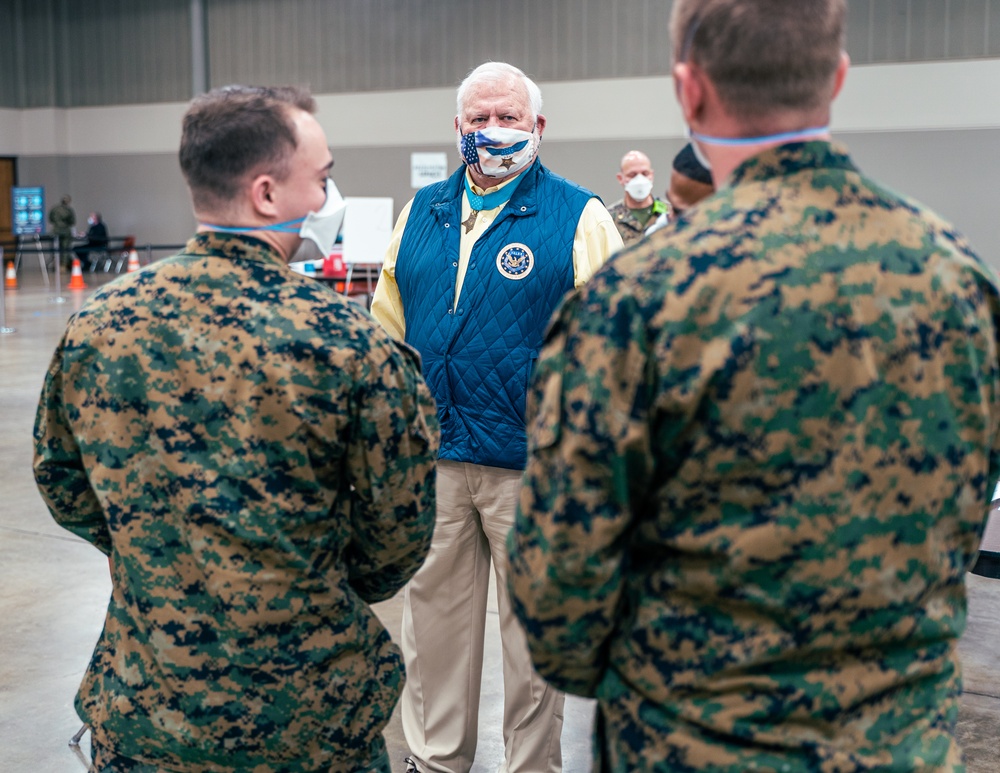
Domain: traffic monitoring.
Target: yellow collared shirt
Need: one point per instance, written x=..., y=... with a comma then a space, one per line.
x=595, y=240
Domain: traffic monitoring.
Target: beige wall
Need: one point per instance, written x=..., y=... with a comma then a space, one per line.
x=925, y=129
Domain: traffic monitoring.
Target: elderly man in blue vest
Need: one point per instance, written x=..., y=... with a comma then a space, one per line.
x=476, y=266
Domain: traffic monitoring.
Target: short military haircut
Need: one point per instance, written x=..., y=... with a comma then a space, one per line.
x=233, y=133
x=762, y=55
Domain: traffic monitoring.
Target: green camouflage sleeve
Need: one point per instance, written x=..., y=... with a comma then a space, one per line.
x=568, y=541
x=390, y=462
x=58, y=466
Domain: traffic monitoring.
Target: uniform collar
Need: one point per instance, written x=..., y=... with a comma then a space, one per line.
x=233, y=247
x=792, y=157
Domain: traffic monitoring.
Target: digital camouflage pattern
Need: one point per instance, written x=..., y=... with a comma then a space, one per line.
x=628, y=225
x=761, y=450
x=257, y=457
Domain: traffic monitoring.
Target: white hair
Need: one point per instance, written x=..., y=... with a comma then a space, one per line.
x=493, y=72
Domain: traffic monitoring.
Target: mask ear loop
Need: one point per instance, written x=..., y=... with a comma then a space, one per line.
x=688, y=41
x=288, y=227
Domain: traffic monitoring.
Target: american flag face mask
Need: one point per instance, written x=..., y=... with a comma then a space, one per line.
x=498, y=152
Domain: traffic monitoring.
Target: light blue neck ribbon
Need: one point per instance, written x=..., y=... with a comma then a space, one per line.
x=490, y=200
x=801, y=134
x=288, y=227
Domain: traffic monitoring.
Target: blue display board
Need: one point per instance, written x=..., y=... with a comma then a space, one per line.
x=29, y=211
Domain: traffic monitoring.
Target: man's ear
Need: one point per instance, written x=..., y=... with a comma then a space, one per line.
x=540, y=123
x=838, y=79
x=690, y=90
x=262, y=196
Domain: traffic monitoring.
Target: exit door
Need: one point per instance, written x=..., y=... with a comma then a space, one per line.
x=8, y=179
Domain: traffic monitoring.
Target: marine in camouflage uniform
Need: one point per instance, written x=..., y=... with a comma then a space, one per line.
x=761, y=450
x=629, y=226
x=63, y=219
x=255, y=455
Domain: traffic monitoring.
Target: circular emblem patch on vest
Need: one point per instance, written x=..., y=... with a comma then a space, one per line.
x=515, y=261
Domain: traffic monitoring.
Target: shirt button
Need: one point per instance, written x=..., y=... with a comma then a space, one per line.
x=454, y=263
x=447, y=225
x=461, y=312
x=524, y=209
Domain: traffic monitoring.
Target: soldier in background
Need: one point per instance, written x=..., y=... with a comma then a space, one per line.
x=690, y=181
x=763, y=442
x=256, y=456
x=638, y=209
x=63, y=219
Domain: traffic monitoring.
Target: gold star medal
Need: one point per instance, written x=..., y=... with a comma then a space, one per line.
x=487, y=201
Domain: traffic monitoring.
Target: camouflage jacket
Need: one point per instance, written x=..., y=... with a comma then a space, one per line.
x=628, y=226
x=256, y=455
x=63, y=218
x=761, y=447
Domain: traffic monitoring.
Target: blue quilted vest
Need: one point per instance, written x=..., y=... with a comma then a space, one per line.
x=477, y=358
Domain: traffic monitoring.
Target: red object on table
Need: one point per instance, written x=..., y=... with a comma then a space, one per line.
x=334, y=266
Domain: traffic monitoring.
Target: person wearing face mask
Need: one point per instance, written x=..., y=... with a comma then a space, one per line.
x=97, y=237
x=638, y=209
x=764, y=441
x=690, y=182
x=475, y=267
x=255, y=456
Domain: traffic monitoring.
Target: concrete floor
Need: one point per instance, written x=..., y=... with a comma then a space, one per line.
x=54, y=588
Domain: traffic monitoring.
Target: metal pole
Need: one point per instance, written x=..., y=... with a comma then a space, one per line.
x=199, y=48
x=78, y=736
x=4, y=330
x=57, y=298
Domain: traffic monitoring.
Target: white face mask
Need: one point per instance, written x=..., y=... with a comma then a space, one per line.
x=318, y=229
x=702, y=158
x=498, y=152
x=639, y=187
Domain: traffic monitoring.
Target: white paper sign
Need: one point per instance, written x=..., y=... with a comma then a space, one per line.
x=427, y=168
x=367, y=229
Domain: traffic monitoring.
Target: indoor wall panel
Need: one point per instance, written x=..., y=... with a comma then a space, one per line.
x=63, y=53
x=123, y=51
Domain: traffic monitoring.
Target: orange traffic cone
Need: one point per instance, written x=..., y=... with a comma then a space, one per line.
x=10, y=279
x=76, y=277
x=133, y=261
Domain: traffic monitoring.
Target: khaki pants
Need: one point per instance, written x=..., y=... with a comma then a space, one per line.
x=444, y=622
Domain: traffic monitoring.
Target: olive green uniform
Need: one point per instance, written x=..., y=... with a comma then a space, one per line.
x=256, y=455
x=63, y=218
x=761, y=447
x=629, y=226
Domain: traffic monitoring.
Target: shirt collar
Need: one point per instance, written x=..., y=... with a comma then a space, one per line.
x=483, y=191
